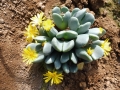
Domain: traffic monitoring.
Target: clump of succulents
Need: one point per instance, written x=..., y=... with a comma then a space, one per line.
x=62, y=41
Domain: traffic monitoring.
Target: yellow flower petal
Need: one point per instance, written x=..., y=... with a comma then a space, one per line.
x=105, y=46
x=90, y=51
x=48, y=24
x=37, y=19
x=29, y=55
x=54, y=77
x=101, y=30
x=31, y=32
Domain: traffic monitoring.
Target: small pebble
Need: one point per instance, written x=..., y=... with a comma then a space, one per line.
x=15, y=2
x=83, y=84
x=2, y=21
x=3, y=1
x=39, y=4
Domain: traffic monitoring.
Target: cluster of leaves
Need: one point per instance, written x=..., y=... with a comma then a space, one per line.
x=61, y=43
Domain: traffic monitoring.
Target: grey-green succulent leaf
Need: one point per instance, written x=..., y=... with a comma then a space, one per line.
x=51, y=58
x=59, y=22
x=97, y=42
x=80, y=14
x=65, y=57
x=66, y=17
x=40, y=58
x=52, y=33
x=93, y=37
x=88, y=18
x=64, y=9
x=47, y=49
x=73, y=68
x=57, y=63
x=56, y=10
x=68, y=45
x=73, y=23
x=97, y=53
x=65, y=68
x=81, y=53
x=35, y=46
x=74, y=11
x=42, y=38
x=57, y=44
x=84, y=28
x=97, y=31
x=42, y=31
x=73, y=58
x=67, y=35
x=82, y=40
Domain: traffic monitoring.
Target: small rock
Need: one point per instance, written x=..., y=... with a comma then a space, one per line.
x=83, y=84
x=43, y=8
x=39, y=4
x=3, y=1
x=107, y=83
x=1, y=26
x=2, y=21
x=24, y=1
x=15, y=2
x=1, y=32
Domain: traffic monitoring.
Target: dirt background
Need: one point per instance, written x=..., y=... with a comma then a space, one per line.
x=15, y=15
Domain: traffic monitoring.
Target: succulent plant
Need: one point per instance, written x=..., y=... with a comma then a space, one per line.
x=71, y=39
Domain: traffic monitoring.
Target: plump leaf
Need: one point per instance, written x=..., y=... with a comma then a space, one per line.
x=56, y=10
x=35, y=46
x=83, y=28
x=81, y=53
x=73, y=23
x=97, y=42
x=73, y=68
x=59, y=22
x=51, y=58
x=57, y=45
x=82, y=40
x=52, y=33
x=68, y=45
x=66, y=17
x=47, y=49
x=97, y=53
x=67, y=35
x=65, y=68
x=41, y=38
x=73, y=58
x=57, y=63
x=88, y=18
x=64, y=9
x=93, y=37
x=42, y=31
x=75, y=10
x=97, y=31
x=80, y=14
x=40, y=58
x=64, y=57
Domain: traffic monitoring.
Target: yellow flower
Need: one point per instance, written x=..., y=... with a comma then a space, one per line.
x=48, y=24
x=105, y=46
x=29, y=55
x=90, y=51
x=31, y=32
x=37, y=19
x=54, y=77
x=101, y=30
